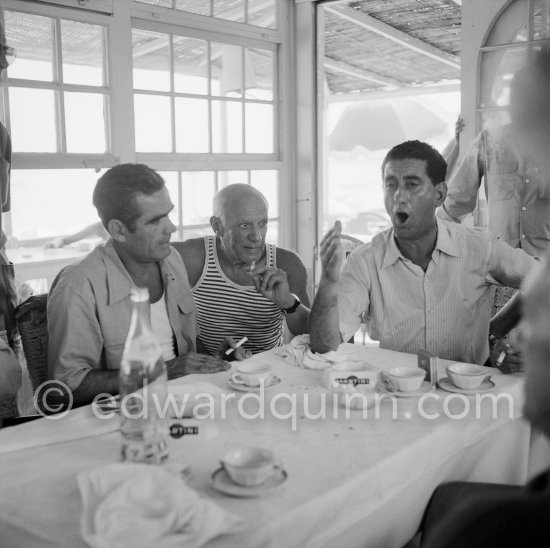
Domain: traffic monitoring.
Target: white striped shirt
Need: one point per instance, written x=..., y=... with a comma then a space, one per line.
x=225, y=308
x=445, y=310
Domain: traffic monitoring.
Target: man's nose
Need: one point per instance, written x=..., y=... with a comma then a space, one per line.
x=401, y=195
x=255, y=233
x=170, y=226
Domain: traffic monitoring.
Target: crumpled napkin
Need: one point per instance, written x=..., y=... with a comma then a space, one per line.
x=298, y=352
x=143, y=505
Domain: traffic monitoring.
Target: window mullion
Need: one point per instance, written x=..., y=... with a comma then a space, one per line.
x=58, y=79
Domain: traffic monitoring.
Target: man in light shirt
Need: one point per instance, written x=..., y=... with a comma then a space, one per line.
x=89, y=307
x=421, y=284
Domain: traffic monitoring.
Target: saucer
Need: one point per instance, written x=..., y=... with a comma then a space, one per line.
x=447, y=384
x=224, y=484
x=272, y=382
x=425, y=387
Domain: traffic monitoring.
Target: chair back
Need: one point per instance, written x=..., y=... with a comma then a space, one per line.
x=349, y=243
x=33, y=328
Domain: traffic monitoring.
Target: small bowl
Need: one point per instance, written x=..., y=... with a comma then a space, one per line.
x=407, y=379
x=251, y=373
x=466, y=375
x=249, y=466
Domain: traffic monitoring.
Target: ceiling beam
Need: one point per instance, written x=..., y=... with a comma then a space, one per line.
x=391, y=33
x=361, y=74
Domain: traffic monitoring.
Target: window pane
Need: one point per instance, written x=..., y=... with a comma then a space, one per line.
x=227, y=69
x=497, y=70
x=259, y=74
x=267, y=183
x=272, y=236
x=197, y=192
x=232, y=10
x=231, y=177
x=32, y=114
x=151, y=53
x=227, y=126
x=190, y=65
x=82, y=51
x=541, y=23
x=85, y=110
x=511, y=25
x=261, y=13
x=171, y=180
x=202, y=7
x=191, y=125
x=153, y=126
x=32, y=37
x=38, y=211
x=259, y=128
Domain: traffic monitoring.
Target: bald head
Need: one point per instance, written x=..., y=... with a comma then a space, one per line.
x=230, y=199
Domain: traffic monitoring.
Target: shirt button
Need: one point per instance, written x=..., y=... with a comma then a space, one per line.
x=523, y=208
x=526, y=180
x=523, y=235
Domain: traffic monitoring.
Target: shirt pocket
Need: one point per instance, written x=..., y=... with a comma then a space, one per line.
x=501, y=186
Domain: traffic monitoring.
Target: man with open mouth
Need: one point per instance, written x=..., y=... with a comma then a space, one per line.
x=424, y=283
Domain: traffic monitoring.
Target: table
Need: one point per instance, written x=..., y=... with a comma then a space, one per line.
x=351, y=482
x=32, y=263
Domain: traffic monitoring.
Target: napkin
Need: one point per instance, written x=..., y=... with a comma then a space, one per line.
x=298, y=352
x=142, y=505
x=77, y=424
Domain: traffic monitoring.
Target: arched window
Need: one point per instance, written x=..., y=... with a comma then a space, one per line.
x=520, y=29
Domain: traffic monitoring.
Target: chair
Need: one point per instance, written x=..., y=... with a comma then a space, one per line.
x=349, y=243
x=33, y=328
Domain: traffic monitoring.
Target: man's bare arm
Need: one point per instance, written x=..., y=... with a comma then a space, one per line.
x=324, y=328
x=96, y=381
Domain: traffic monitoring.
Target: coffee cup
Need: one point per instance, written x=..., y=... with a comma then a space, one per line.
x=467, y=375
x=251, y=374
x=249, y=466
x=406, y=379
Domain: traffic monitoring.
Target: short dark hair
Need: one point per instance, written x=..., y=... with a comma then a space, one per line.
x=115, y=192
x=436, y=166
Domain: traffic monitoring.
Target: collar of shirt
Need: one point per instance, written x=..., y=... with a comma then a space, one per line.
x=119, y=281
x=443, y=244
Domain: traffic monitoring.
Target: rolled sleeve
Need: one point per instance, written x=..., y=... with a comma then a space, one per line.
x=353, y=295
x=507, y=266
x=75, y=343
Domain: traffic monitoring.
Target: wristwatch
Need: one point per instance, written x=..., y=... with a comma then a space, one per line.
x=294, y=307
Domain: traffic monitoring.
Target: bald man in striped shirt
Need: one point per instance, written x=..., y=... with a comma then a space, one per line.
x=423, y=283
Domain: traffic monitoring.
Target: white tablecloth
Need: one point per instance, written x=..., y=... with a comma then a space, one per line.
x=351, y=482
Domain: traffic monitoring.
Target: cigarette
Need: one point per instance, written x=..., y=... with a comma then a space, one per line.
x=240, y=343
x=501, y=358
x=252, y=265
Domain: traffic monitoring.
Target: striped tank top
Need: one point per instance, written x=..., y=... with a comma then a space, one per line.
x=225, y=308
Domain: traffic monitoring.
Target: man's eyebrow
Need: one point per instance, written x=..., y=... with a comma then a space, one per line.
x=159, y=217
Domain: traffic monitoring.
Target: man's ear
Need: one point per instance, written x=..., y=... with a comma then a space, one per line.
x=217, y=225
x=440, y=193
x=118, y=230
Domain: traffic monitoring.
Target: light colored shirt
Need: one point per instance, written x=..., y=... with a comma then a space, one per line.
x=445, y=310
x=517, y=190
x=160, y=325
x=89, y=312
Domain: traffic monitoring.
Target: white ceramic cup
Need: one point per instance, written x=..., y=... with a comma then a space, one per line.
x=251, y=374
x=250, y=466
x=467, y=375
x=407, y=379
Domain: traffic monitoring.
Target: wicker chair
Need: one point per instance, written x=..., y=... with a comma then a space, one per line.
x=349, y=243
x=33, y=328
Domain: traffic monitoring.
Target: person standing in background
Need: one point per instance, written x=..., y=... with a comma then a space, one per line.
x=10, y=371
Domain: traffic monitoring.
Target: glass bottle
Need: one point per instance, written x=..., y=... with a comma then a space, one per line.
x=143, y=389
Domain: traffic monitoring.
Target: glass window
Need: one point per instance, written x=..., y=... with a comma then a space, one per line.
x=198, y=189
x=227, y=126
x=190, y=65
x=191, y=125
x=259, y=74
x=259, y=128
x=51, y=202
x=32, y=108
x=267, y=183
x=82, y=53
x=151, y=53
x=32, y=38
x=202, y=7
x=153, y=123
x=85, y=110
x=232, y=10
